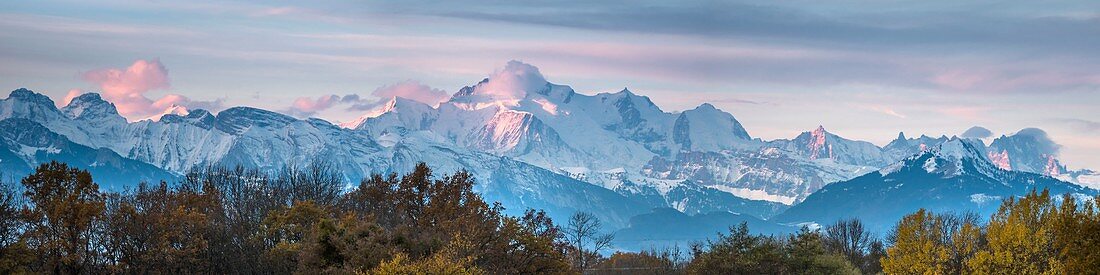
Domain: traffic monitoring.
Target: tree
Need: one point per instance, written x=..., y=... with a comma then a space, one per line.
x=924, y=242
x=586, y=240
x=14, y=253
x=1077, y=235
x=158, y=230
x=653, y=261
x=851, y=239
x=287, y=229
x=1021, y=238
x=806, y=254
x=220, y=220
x=738, y=253
x=66, y=204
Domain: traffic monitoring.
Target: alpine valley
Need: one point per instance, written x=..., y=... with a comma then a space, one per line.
x=657, y=177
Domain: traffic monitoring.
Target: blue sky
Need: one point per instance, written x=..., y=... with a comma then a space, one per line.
x=863, y=69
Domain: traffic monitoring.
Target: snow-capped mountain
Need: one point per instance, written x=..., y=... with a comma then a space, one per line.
x=820, y=144
x=953, y=176
x=35, y=131
x=24, y=144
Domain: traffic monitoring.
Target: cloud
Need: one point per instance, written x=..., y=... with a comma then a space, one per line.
x=886, y=110
x=305, y=106
x=514, y=81
x=69, y=97
x=1043, y=143
x=1081, y=124
x=412, y=90
x=976, y=132
x=1014, y=79
x=127, y=89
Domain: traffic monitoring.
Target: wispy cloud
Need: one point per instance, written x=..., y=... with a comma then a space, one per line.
x=885, y=110
x=411, y=90
x=1083, y=125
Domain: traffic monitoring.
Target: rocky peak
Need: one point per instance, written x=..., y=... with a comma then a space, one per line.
x=90, y=106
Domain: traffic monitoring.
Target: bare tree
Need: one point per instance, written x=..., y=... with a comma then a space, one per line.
x=850, y=239
x=583, y=234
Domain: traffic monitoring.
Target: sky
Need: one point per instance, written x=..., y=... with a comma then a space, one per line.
x=862, y=69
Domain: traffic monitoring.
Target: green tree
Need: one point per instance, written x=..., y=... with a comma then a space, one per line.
x=738, y=253
x=806, y=254
x=652, y=261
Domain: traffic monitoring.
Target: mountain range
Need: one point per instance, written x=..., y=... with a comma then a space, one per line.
x=534, y=144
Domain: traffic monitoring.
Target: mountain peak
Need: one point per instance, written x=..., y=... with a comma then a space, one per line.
x=958, y=148
x=25, y=94
x=706, y=106
x=236, y=120
x=516, y=81
x=89, y=105
x=171, y=110
x=197, y=117
x=21, y=93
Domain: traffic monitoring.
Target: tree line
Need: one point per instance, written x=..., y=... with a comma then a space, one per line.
x=301, y=220
x=305, y=220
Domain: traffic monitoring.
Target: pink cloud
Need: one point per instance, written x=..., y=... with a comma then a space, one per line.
x=412, y=90
x=308, y=106
x=512, y=82
x=126, y=88
x=69, y=97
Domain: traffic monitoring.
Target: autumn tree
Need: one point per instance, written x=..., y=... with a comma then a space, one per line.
x=1077, y=234
x=924, y=242
x=60, y=225
x=1021, y=237
x=159, y=229
x=299, y=220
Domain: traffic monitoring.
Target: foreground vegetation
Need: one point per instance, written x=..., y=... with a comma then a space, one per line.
x=304, y=220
